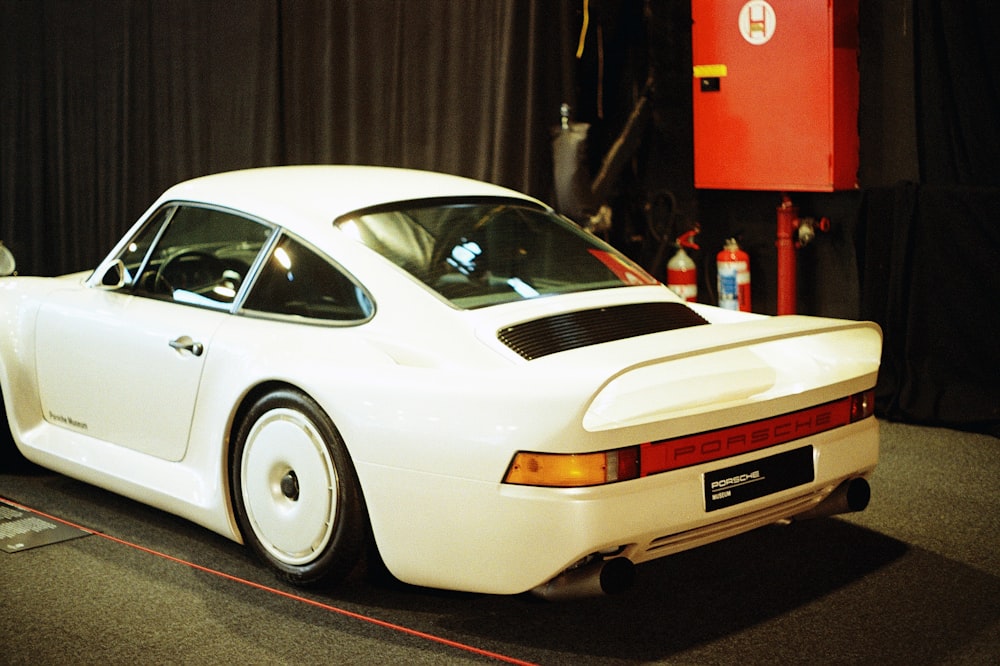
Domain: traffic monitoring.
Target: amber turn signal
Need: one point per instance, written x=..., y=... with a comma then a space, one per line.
x=568, y=470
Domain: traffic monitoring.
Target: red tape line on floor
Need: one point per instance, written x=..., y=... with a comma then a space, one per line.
x=318, y=604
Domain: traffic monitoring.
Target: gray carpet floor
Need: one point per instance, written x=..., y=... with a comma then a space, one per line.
x=915, y=579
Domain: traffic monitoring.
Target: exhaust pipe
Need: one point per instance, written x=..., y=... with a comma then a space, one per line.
x=851, y=495
x=590, y=580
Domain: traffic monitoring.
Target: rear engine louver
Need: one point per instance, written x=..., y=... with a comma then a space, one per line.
x=571, y=330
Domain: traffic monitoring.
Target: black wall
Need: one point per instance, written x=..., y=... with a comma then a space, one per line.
x=106, y=103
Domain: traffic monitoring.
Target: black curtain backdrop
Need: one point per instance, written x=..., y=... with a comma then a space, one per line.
x=108, y=102
x=930, y=279
x=930, y=249
x=958, y=91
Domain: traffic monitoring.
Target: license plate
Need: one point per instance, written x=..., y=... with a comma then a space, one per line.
x=747, y=481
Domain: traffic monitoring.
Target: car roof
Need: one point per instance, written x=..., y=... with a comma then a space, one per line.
x=299, y=197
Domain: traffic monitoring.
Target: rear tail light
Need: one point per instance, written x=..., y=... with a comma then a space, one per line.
x=862, y=405
x=566, y=470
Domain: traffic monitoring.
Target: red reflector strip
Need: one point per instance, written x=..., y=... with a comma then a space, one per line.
x=704, y=447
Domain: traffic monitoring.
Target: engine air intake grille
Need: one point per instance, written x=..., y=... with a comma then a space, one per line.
x=571, y=330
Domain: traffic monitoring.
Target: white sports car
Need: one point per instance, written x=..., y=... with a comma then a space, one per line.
x=312, y=360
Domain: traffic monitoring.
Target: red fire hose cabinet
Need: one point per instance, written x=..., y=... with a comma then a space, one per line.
x=775, y=94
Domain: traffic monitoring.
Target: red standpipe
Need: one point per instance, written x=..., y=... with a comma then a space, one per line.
x=788, y=221
x=793, y=233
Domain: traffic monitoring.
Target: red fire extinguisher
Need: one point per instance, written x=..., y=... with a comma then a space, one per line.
x=682, y=274
x=733, y=277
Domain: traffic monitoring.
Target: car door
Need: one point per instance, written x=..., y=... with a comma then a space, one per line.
x=122, y=368
x=124, y=364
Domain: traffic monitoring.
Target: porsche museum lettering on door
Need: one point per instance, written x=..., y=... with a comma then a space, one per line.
x=67, y=421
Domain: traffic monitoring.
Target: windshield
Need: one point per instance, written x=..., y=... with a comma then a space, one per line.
x=487, y=252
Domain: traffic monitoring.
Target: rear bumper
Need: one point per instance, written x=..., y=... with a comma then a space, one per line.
x=508, y=539
x=838, y=456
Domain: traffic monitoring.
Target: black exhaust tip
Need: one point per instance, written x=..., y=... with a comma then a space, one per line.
x=849, y=496
x=599, y=577
x=617, y=576
x=859, y=493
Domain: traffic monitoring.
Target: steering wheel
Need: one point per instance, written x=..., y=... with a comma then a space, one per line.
x=182, y=267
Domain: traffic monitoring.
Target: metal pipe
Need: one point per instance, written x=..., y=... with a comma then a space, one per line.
x=788, y=220
x=850, y=496
x=590, y=580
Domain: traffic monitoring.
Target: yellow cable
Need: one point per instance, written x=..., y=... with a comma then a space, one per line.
x=583, y=30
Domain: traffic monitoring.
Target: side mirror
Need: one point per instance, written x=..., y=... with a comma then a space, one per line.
x=114, y=277
x=7, y=264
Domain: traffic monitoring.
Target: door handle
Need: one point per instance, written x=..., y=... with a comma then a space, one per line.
x=185, y=343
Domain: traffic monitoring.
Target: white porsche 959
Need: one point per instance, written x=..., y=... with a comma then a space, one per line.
x=317, y=360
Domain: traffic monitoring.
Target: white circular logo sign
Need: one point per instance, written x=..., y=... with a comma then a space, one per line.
x=757, y=22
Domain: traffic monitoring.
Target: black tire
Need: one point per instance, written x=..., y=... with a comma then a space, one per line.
x=296, y=495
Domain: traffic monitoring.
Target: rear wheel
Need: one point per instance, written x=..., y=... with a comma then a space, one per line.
x=295, y=492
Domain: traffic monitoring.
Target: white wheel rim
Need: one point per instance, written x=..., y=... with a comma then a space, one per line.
x=292, y=529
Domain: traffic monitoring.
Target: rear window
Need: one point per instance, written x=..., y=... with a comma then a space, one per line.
x=483, y=253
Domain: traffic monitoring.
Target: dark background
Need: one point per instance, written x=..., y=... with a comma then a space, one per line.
x=105, y=103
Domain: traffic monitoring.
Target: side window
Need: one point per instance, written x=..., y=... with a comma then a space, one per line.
x=135, y=252
x=297, y=281
x=201, y=257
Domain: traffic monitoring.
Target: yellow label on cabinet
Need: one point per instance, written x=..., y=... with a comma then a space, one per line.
x=710, y=71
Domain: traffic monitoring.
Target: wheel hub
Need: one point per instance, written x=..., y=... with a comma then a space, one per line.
x=290, y=486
